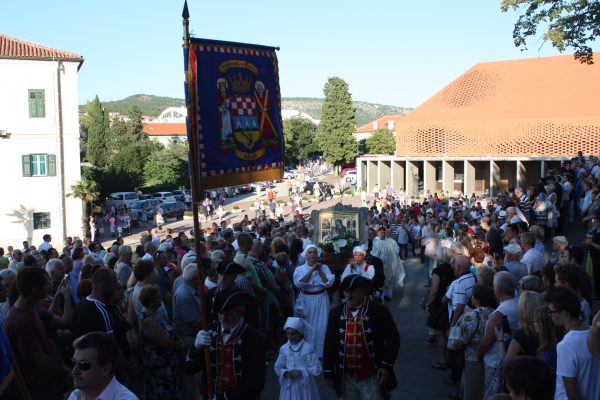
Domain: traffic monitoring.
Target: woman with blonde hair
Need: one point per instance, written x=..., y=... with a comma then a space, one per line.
x=525, y=339
x=548, y=337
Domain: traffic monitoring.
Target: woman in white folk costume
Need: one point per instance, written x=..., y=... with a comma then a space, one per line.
x=388, y=251
x=359, y=266
x=297, y=364
x=313, y=279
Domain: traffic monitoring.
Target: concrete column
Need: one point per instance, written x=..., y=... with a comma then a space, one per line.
x=494, y=178
x=359, y=174
x=521, y=175
x=543, y=168
x=411, y=168
x=385, y=173
x=428, y=176
x=447, y=176
x=469, y=178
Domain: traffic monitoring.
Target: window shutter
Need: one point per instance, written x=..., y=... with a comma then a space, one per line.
x=51, y=165
x=32, y=107
x=41, y=104
x=26, y=161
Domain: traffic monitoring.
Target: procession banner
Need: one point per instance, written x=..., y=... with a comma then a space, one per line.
x=235, y=119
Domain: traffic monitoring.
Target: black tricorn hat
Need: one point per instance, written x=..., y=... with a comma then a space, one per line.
x=354, y=281
x=229, y=267
x=231, y=298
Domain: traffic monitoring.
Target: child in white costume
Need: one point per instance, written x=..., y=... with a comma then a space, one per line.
x=297, y=364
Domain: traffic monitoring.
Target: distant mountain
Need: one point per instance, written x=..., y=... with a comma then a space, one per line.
x=154, y=105
x=149, y=104
x=365, y=112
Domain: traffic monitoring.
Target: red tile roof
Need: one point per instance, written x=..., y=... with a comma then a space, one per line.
x=15, y=48
x=381, y=123
x=166, y=129
x=548, y=106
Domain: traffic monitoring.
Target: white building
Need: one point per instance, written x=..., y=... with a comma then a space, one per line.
x=39, y=143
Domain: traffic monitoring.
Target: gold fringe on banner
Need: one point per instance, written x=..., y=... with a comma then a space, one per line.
x=240, y=178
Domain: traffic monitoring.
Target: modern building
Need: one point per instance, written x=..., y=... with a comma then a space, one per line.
x=389, y=122
x=500, y=124
x=39, y=143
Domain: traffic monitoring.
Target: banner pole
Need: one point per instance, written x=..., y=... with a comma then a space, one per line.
x=196, y=187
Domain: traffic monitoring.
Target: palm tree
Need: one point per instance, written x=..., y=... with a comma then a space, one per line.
x=85, y=190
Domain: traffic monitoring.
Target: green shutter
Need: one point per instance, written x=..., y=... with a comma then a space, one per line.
x=37, y=103
x=51, y=165
x=41, y=104
x=26, y=161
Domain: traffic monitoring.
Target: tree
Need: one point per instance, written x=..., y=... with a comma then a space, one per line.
x=335, y=135
x=382, y=141
x=86, y=191
x=568, y=23
x=168, y=166
x=97, y=131
x=299, y=134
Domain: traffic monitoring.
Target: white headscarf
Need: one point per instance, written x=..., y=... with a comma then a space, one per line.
x=359, y=249
x=311, y=246
x=297, y=324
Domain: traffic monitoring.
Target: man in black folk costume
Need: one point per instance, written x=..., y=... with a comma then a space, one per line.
x=361, y=345
x=237, y=350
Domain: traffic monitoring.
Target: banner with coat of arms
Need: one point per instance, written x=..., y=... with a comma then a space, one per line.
x=238, y=128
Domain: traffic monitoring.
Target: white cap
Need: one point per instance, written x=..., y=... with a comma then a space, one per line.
x=297, y=324
x=513, y=248
x=359, y=249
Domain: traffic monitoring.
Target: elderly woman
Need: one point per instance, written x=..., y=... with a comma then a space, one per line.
x=145, y=275
x=559, y=245
x=358, y=266
x=158, y=347
x=313, y=279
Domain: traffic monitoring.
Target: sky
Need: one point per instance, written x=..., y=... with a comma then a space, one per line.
x=393, y=52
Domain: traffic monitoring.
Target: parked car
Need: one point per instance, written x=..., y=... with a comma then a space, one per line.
x=118, y=199
x=164, y=196
x=309, y=186
x=149, y=206
x=172, y=209
x=289, y=174
x=183, y=195
x=347, y=170
x=146, y=196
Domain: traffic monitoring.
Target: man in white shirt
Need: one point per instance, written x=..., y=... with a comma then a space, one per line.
x=93, y=373
x=577, y=370
x=46, y=245
x=532, y=258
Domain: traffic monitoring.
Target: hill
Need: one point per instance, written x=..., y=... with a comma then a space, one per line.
x=154, y=105
x=149, y=104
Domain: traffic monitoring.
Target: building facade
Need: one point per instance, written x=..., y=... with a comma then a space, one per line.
x=500, y=124
x=39, y=143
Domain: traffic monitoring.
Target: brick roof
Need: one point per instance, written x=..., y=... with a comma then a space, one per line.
x=15, y=48
x=166, y=129
x=381, y=123
x=547, y=106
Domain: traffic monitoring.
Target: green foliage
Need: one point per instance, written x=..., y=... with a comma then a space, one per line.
x=168, y=166
x=335, y=134
x=96, y=127
x=85, y=190
x=299, y=134
x=568, y=23
x=382, y=141
x=146, y=104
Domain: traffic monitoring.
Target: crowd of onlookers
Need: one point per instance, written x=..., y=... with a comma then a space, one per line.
x=509, y=300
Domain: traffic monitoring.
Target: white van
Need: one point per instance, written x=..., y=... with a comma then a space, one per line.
x=118, y=199
x=166, y=197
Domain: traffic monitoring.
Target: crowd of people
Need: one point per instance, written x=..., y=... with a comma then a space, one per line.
x=507, y=314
